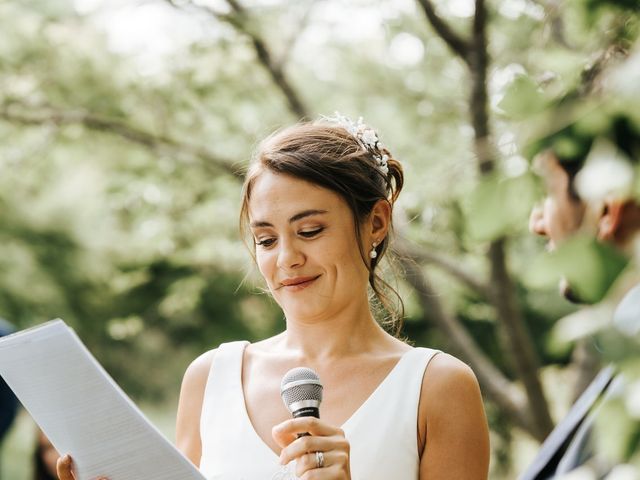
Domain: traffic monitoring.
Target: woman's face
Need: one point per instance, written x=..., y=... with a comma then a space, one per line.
x=306, y=247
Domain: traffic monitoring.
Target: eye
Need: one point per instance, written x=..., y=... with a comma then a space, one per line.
x=265, y=243
x=311, y=233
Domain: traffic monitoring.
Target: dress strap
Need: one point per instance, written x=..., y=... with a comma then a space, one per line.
x=224, y=380
x=407, y=381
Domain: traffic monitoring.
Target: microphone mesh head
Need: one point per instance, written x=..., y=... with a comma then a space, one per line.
x=300, y=384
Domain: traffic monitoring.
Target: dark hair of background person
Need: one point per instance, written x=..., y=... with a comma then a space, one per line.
x=326, y=155
x=571, y=145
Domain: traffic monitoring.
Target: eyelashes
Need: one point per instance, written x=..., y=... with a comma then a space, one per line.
x=311, y=233
x=268, y=242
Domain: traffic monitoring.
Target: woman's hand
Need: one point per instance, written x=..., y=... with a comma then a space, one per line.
x=64, y=468
x=324, y=438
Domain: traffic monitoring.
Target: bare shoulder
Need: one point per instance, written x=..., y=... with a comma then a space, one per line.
x=195, y=381
x=446, y=375
x=452, y=422
x=198, y=371
x=449, y=386
x=449, y=397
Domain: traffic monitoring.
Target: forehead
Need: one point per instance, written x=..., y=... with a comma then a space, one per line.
x=277, y=195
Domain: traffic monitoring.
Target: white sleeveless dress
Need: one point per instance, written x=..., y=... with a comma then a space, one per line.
x=382, y=432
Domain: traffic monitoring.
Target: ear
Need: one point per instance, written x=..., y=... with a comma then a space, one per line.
x=610, y=220
x=379, y=220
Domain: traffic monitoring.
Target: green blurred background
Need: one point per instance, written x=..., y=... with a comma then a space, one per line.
x=125, y=127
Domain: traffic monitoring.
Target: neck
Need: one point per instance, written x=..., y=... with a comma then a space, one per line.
x=349, y=331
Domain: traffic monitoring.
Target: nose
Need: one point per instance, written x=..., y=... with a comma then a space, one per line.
x=289, y=255
x=536, y=221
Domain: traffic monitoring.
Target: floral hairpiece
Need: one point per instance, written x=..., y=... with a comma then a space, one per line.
x=366, y=136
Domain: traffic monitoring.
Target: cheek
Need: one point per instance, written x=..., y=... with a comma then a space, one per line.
x=564, y=219
x=554, y=218
x=351, y=263
x=550, y=214
x=265, y=262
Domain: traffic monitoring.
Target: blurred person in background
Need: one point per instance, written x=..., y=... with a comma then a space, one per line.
x=45, y=457
x=317, y=210
x=8, y=401
x=589, y=164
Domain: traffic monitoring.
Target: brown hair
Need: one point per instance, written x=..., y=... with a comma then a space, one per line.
x=325, y=154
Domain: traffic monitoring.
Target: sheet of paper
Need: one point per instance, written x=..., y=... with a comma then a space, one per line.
x=83, y=411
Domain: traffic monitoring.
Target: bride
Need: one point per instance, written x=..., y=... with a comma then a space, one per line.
x=317, y=210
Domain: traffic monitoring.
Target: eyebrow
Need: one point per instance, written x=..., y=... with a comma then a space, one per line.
x=295, y=218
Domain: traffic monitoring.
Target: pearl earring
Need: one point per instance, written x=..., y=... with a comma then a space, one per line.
x=373, y=254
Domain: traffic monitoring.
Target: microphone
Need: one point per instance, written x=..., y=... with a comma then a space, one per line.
x=301, y=392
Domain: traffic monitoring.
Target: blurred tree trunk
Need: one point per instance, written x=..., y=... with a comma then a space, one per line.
x=517, y=341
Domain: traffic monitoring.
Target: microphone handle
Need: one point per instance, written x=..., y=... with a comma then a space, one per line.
x=306, y=412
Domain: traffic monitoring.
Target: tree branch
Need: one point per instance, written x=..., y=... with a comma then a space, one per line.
x=238, y=20
x=455, y=42
x=293, y=38
x=592, y=76
x=43, y=115
x=556, y=24
x=478, y=65
x=296, y=105
x=402, y=246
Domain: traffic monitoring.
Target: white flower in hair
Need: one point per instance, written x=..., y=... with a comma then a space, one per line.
x=369, y=138
x=366, y=136
x=382, y=164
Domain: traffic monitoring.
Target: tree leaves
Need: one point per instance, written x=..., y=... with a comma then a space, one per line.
x=499, y=206
x=522, y=98
x=590, y=267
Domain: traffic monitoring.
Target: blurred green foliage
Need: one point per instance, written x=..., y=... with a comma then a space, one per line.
x=590, y=267
x=117, y=211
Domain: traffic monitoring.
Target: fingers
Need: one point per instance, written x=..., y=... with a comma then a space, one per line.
x=323, y=438
x=64, y=466
x=331, y=446
x=288, y=431
x=334, y=461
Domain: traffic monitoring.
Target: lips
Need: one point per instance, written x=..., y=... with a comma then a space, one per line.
x=298, y=283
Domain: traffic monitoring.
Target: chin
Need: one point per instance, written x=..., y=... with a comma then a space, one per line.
x=569, y=293
x=301, y=312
